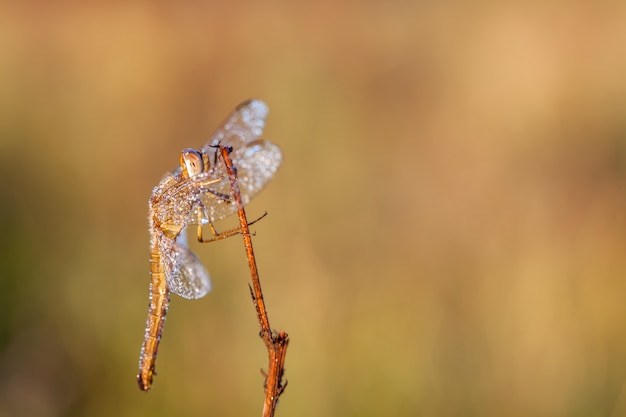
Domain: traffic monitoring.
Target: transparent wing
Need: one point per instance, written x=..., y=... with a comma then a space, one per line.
x=187, y=277
x=256, y=164
x=244, y=125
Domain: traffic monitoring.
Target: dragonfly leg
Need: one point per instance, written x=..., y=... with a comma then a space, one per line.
x=216, y=234
x=223, y=235
x=202, y=214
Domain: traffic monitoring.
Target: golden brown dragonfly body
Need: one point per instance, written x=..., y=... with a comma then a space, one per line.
x=198, y=193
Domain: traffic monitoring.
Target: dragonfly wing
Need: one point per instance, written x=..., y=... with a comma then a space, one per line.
x=256, y=161
x=187, y=278
x=244, y=125
x=256, y=164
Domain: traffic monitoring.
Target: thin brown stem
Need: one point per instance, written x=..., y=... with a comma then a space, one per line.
x=276, y=343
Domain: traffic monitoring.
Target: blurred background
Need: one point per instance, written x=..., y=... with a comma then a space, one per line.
x=446, y=235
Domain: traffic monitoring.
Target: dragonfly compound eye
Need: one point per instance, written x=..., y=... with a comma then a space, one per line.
x=192, y=162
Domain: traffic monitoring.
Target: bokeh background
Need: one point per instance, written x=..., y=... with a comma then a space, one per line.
x=446, y=236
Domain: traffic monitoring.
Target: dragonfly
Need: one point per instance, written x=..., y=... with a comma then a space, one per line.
x=198, y=193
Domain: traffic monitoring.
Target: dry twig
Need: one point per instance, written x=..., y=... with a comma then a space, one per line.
x=276, y=342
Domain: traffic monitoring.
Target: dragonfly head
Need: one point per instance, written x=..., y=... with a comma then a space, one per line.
x=193, y=162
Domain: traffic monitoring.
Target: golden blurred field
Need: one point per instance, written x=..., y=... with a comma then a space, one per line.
x=446, y=236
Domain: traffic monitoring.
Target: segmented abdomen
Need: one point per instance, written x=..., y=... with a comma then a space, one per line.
x=159, y=302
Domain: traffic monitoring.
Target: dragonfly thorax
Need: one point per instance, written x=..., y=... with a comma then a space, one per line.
x=193, y=162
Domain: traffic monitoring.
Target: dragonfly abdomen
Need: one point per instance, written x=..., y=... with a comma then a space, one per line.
x=159, y=302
